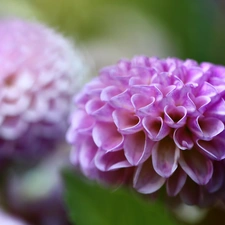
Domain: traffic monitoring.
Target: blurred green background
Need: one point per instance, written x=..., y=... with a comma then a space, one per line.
x=108, y=30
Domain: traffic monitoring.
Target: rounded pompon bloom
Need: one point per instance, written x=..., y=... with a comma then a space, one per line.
x=149, y=123
x=39, y=72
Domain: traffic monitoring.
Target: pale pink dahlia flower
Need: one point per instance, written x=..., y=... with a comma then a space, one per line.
x=38, y=68
x=151, y=122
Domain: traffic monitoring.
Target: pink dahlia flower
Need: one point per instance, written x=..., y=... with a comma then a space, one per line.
x=152, y=122
x=38, y=67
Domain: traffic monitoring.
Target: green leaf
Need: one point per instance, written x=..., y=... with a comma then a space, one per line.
x=91, y=204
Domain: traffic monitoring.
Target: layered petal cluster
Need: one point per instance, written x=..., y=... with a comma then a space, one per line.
x=153, y=122
x=38, y=68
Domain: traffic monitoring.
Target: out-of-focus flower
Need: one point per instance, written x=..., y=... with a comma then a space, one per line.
x=38, y=74
x=36, y=196
x=152, y=122
x=8, y=220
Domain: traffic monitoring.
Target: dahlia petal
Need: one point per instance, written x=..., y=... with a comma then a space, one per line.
x=202, y=103
x=122, y=100
x=175, y=116
x=190, y=193
x=106, y=136
x=164, y=157
x=155, y=127
x=148, y=91
x=149, y=109
x=83, y=122
x=194, y=75
x=81, y=99
x=25, y=81
x=140, y=61
x=162, y=79
x=107, y=161
x=183, y=138
x=189, y=76
x=214, y=148
x=217, y=110
x=143, y=79
x=12, y=128
x=176, y=182
x=189, y=104
x=217, y=179
x=137, y=148
x=124, y=65
x=99, y=110
x=167, y=90
x=116, y=177
x=109, y=92
x=181, y=96
x=87, y=152
x=206, y=127
x=206, y=66
x=38, y=108
x=197, y=166
x=16, y=107
x=121, y=77
x=126, y=122
x=139, y=100
x=207, y=90
x=146, y=180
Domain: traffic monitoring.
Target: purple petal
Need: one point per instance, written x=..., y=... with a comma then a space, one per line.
x=181, y=96
x=207, y=90
x=140, y=100
x=191, y=76
x=217, y=179
x=183, y=138
x=146, y=180
x=206, y=127
x=83, y=122
x=86, y=156
x=197, y=166
x=116, y=177
x=109, y=92
x=111, y=160
x=140, y=61
x=155, y=127
x=190, y=193
x=126, y=122
x=99, y=110
x=175, y=183
x=12, y=128
x=164, y=157
x=124, y=65
x=217, y=110
x=147, y=91
x=202, y=103
x=140, y=76
x=215, y=148
x=107, y=137
x=175, y=116
x=122, y=100
x=137, y=148
x=194, y=75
